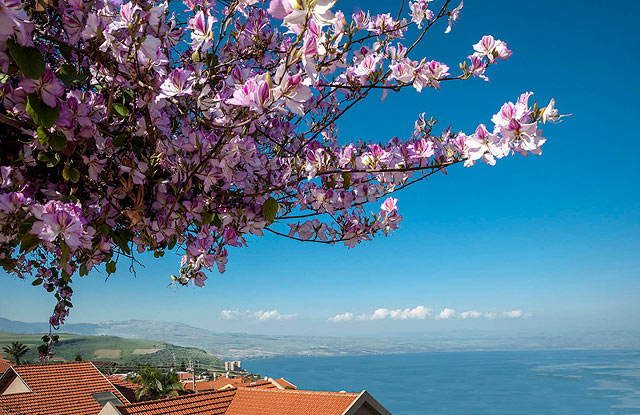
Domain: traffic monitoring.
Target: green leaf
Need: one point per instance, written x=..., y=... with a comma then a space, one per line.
x=66, y=51
x=28, y=59
x=128, y=96
x=54, y=160
x=120, y=109
x=37, y=282
x=331, y=183
x=111, y=267
x=58, y=142
x=212, y=59
x=206, y=218
x=217, y=222
x=124, y=245
x=43, y=135
x=196, y=56
x=118, y=141
x=346, y=179
x=71, y=174
x=68, y=75
x=270, y=210
x=41, y=113
x=83, y=270
x=29, y=242
x=51, y=159
x=4, y=78
x=25, y=225
x=172, y=243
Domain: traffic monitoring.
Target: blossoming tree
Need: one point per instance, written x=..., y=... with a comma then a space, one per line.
x=127, y=127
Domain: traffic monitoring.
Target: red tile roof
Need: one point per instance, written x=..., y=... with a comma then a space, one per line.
x=251, y=401
x=128, y=389
x=184, y=376
x=212, y=384
x=285, y=384
x=56, y=389
x=261, y=384
x=289, y=402
x=4, y=365
x=206, y=403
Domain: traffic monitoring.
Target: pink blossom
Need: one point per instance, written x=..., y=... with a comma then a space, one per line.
x=57, y=219
x=420, y=12
x=389, y=206
x=199, y=278
x=279, y=9
x=453, y=16
x=201, y=31
x=403, y=71
x=430, y=73
x=295, y=93
x=48, y=85
x=11, y=202
x=491, y=49
x=176, y=84
x=13, y=19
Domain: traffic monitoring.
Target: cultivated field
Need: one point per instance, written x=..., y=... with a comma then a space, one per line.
x=111, y=348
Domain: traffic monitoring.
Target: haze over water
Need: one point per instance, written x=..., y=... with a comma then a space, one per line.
x=497, y=382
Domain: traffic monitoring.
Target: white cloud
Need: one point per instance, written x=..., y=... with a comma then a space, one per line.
x=516, y=314
x=380, y=314
x=421, y=312
x=416, y=313
x=259, y=315
x=446, y=313
x=470, y=314
x=342, y=317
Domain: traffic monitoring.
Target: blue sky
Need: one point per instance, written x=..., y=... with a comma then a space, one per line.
x=556, y=236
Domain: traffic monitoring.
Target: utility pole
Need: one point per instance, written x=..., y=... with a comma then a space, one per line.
x=193, y=370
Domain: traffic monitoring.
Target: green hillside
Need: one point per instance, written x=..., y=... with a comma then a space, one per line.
x=117, y=349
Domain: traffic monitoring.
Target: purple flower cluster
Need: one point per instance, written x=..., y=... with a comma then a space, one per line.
x=143, y=130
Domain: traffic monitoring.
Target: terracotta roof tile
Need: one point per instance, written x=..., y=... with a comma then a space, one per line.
x=261, y=384
x=289, y=402
x=206, y=403
x=184, y=376
x=4, y=365
x=57, y=388
x=212, y=384
x=128, y=389
x=285, y=384
x=247, y=401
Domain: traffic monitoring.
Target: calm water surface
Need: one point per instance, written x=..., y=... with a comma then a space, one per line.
x=497, y=383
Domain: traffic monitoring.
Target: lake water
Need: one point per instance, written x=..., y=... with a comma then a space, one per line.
x=498, y=382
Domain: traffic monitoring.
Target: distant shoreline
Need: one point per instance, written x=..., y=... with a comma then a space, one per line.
x=568, y=349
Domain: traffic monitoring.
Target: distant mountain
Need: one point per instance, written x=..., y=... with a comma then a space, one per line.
x=247, y=346
x=11, y=326
x=21, y=327
x=226, y=345
x=112, y=348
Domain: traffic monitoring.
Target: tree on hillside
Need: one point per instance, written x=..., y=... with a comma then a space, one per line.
x=78, y=357
x=155, y=384
x=16, y=350
x=126, y=128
